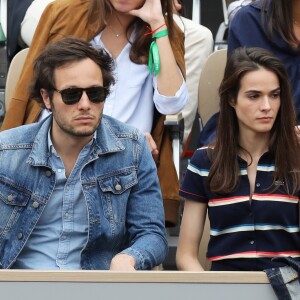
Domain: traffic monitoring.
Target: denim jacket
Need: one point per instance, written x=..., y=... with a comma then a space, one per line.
x=120, y=187
x=285, y=280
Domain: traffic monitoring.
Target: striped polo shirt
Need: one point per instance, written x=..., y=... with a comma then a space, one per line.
x=266, y=227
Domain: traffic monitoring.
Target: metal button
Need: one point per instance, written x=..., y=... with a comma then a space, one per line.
x=20, y=235
x=35, y=204
x=258, y=184
x=118, y=187
x=10, y=198
x=252, y=242
x=48, y=173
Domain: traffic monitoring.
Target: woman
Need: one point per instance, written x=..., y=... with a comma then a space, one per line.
x=125, y=29
x=249, y=179
x=275, y=26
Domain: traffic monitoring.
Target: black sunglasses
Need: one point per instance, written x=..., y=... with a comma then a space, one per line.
x=96, y=94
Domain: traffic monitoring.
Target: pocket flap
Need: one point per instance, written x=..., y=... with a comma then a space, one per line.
x=118, y=182
x=12, y=194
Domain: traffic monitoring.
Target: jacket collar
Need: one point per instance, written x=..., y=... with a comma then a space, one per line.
x=107, y=141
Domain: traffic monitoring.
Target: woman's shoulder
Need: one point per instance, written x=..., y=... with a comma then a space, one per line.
x=201, y=157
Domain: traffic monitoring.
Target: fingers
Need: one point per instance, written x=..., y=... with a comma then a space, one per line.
x=152, y=145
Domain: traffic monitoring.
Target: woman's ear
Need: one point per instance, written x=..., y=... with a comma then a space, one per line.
x=232, y=103
x=46, y=99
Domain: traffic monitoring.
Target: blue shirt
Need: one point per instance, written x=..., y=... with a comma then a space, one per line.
x=256, y=230
x=64, y=219
x=247, y=30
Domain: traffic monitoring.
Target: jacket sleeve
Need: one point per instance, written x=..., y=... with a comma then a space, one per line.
x=145, y=215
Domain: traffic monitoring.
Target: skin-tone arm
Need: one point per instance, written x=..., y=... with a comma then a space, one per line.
x=122, y=262
x=151, y=143
x=169, y=78
x=191, y=230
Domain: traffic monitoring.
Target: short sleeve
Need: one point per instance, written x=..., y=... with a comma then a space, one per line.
x=194, y=183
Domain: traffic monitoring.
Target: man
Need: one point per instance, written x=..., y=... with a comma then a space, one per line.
x=78, y=190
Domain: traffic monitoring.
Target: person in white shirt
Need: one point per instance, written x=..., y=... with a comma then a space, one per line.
x=31, y=19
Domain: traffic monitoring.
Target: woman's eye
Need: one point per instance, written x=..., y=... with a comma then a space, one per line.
x=253, y=96
x=275, y=95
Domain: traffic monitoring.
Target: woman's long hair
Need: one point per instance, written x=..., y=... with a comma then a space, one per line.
x=100, y=10
x=284, y=145
x=279, y=19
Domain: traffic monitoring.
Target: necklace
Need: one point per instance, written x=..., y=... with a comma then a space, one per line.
x=117, y=35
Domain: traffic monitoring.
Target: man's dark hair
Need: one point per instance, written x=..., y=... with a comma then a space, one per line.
x=63, y=52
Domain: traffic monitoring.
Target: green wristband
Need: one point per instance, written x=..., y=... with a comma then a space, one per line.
x=160, y=34
x=154, y=60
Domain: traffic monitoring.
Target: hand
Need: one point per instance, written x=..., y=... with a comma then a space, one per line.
x=150, y=12
x=151, y=143
x=122, y=262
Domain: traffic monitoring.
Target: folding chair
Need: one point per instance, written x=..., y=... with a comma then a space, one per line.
x=210, y=79
x=13, y=74
x=222, y=33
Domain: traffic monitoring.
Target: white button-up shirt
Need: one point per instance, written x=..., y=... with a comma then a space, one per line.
x=135, y=93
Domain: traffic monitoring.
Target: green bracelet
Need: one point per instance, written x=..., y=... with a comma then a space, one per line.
x=154, y=61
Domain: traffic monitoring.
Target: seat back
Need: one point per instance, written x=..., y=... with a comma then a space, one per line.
x=13, y=74
x=210, y=79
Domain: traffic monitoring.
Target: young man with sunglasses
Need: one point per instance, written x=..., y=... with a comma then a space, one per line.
x=78, y=190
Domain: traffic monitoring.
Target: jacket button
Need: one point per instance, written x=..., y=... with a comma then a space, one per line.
x=35, y=204
x=48, y=173
x=118, y=187
x=10, y=198
x=20, y=235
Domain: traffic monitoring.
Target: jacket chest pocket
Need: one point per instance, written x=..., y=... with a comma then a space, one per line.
x=116, y=190
x=13, y=199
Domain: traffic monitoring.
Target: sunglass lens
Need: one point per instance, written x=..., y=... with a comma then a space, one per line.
x=96, y=94
x=71, y=96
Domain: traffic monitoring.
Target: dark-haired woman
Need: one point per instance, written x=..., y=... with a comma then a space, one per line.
x=275, y=26
x=249, y=179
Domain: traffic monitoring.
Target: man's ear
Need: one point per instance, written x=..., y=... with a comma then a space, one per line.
x=46, y=98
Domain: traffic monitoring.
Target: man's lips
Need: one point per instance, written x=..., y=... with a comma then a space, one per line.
x=84, y=119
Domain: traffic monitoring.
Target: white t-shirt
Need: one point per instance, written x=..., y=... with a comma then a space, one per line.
x=31, y=19
x=3, y=15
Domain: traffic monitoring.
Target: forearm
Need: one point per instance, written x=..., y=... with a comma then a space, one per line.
x=145, y=214
x=188, y=263
x=169, y=79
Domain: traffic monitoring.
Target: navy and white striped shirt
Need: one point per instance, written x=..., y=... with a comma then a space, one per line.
x=266, y=227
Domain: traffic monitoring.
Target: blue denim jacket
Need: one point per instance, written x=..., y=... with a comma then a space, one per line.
x=285, y=280
x=119, y=183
